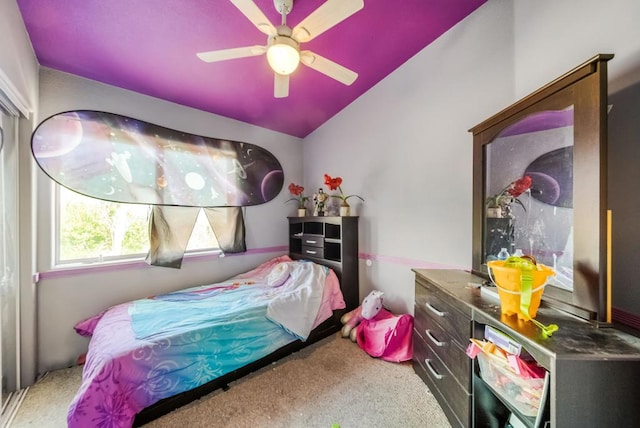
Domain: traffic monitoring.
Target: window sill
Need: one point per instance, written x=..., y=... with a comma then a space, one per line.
x=62, y=271
x=72, y=269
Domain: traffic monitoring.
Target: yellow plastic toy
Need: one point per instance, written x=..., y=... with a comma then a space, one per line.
x=520, y=282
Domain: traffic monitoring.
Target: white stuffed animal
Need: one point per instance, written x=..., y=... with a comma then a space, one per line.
x=370, y=307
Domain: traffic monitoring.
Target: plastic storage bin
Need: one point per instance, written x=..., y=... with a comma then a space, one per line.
x=524, y=395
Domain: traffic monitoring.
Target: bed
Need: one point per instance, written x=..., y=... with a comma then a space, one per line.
x=150, y=356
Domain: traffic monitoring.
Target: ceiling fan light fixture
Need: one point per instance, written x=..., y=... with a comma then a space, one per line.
x=283, y=55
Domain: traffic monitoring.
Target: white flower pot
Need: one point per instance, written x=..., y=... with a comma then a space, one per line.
x=494, y=212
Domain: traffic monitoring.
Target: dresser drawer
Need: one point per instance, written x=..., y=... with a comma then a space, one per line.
x=435, y=306
x=429, y=367
x=313, y=240
x=313, y=251
x=455, y=358
x=442, y=295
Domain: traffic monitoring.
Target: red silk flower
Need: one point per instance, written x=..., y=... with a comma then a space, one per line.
x=332, y=183
x=520, y=186
x=296, y=190
x=299, y=197
x=335, y=184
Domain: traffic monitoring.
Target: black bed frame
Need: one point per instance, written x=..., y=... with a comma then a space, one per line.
x=169, y=404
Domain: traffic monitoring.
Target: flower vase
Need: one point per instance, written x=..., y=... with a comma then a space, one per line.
x=302, y=212
x=345, y=210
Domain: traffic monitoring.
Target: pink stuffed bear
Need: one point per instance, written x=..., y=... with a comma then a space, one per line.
x=371, y=305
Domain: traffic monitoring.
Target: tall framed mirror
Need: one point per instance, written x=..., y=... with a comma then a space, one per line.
x=539, y=188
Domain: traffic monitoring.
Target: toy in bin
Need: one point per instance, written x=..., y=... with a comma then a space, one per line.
x=516, y=380
x=520, y=282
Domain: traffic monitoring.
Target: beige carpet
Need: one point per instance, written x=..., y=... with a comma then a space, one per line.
x=330, y=382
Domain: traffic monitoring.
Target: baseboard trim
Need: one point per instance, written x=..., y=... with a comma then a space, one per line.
x=11, y=406
x=627, y=318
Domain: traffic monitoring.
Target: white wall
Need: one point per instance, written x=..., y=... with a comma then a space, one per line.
x=404, y=147
x=65, y=300
x=19, y=78
x=624, y=201
x=18, y=63
x=552, y=37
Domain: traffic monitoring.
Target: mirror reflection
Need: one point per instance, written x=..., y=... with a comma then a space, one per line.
x=529, y=192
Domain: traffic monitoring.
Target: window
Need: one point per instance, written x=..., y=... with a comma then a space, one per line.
x=9, y=262
x=92, y=230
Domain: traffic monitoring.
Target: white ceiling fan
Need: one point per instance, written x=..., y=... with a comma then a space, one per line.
x=283, y=43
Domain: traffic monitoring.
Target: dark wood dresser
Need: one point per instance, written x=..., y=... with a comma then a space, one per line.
x=442, y=328
x=592, y=372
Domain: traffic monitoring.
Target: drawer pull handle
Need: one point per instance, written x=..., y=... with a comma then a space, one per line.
x=432, y=370
x=309, y=241
x=311, y=252
x=433, y=339
x=434, y=310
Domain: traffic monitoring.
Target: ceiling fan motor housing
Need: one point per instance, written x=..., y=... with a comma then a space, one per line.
x=283, y=6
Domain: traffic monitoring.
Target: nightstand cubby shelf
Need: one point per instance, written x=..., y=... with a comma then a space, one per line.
x=331, y=241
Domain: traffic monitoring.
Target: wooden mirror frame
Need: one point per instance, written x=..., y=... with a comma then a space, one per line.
x=584, y=87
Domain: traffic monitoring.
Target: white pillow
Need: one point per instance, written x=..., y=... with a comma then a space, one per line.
x=278, y=275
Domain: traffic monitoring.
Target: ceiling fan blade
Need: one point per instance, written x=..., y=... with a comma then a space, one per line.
x=281, y=86
x=328, y=67
x=225, y=54
x=326, y=16
x=255, y=15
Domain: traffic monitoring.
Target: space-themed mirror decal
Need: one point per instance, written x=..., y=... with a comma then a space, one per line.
x=121, y=159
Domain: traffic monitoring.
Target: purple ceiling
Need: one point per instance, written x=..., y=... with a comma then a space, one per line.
x=150, y=46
